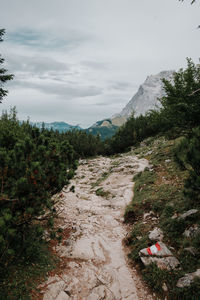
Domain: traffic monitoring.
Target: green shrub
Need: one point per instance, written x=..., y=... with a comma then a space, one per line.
x=34, y=165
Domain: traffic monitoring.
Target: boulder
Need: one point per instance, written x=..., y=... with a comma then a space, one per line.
x=192, y=231
x=162, y=257
x=191, y=250
x=188, y=213
x=188, y=279
x=156, y=234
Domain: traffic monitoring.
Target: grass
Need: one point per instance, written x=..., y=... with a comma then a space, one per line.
x=160, y=190
x=101, y=179
x=19, y=281
x=102, y=193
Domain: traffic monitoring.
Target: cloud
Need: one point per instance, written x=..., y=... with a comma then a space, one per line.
x=45, y=40
x=64, y=90
x=93, y=54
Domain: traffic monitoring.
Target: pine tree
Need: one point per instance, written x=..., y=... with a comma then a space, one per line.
x=4, y=77
x=192, y=185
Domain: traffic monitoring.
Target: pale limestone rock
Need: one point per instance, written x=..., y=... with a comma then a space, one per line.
x=163, y=258
x=62, y=296
x=148, y=216
x=188, y=279
x=192, y=231
x=188, y=213
x=191, y=250
x=164, y=287
x=100, y=293
x=54, y=290
x=156, y=234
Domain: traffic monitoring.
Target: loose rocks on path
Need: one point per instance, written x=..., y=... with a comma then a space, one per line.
x=97, y=267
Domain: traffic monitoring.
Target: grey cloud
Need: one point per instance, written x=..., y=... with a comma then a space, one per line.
x=66, y=91
x=94, y=64
x=122, y=85
x=44, y=39
x=35, y=64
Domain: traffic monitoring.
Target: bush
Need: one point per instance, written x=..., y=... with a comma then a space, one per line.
x=33, y=167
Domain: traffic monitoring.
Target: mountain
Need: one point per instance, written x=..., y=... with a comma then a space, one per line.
x=106, y=128
x=147, y=95
x=144, y=100
x=60, y=126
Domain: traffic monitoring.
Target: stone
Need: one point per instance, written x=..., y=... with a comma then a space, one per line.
x=164, y=287
x=163, y=258
x=100, y=293
x=62, y=296
x=147, y=216
x=156, y=234
x=188, y=213
x=192, y=231
x=188, y=279
x=191, y=250
x=54, y=290
x=168, y=160
x=142, y=144
x=175, y=216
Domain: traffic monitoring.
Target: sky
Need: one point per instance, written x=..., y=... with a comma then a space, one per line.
x=81, y=61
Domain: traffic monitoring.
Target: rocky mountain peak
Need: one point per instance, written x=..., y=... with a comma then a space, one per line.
x=147, y=95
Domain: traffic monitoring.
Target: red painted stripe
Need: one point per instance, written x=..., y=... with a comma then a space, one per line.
x=149, y=251
x=158, y=246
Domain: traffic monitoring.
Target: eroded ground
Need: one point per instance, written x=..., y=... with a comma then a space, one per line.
x=97, y=266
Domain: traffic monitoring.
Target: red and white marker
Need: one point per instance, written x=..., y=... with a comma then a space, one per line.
x=154, y=249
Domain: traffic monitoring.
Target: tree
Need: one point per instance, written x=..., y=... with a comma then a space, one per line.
x=181, y=105
x=4, y=77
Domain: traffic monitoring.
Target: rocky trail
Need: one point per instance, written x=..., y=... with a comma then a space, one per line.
x=97, y=266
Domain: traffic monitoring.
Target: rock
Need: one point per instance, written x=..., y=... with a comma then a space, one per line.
x=175, y=216
x=192, y=231
x=168, y=160
x=148, y=216
x=54, y=290
x=164, y=287
x=142, y=144
x=100, y=293
x=62, y=296
x=188, y=213
x=156, y=234
x=188, y=279
x=191, y=250
x=163, y=258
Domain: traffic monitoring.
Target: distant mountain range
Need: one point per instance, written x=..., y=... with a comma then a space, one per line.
x=60, y=126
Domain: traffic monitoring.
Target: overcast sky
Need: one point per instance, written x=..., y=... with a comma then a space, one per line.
x=80, y=61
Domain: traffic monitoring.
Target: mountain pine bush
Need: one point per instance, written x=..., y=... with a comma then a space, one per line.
x=187, y=154
x=34, y=165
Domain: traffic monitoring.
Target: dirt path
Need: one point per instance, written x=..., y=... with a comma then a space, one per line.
x=97, y=267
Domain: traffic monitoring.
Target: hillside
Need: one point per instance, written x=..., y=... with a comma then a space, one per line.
x=60, y=126
x=160, y=213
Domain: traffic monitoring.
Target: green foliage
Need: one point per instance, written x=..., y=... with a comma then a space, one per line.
x=4, y=77
x=34, y=165
x=102, y=193
x=187, y=154
x=181, y=103
x=135, y=130
x=84, y=144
